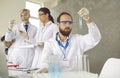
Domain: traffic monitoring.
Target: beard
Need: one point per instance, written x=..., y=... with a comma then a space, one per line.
x=66, y=31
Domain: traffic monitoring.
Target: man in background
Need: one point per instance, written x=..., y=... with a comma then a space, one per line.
x=22, y=51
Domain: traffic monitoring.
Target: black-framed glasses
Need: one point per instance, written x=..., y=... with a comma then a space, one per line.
x=41, y=14
x=65, y=22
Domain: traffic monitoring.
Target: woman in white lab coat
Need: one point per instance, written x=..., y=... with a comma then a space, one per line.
x=21, y=52
x=47, y=30
x=67, y=46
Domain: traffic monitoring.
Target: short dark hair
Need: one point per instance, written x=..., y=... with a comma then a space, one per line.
x=63, y=13
x=3, y=38
x=47, y=11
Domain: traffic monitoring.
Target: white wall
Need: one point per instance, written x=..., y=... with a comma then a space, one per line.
x=9, y=9
x=106, y=14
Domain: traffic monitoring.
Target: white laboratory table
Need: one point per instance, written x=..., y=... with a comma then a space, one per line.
x=81, y=74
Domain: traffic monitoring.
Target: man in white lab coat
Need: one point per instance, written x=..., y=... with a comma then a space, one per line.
x=68, y=46
x=21, y=52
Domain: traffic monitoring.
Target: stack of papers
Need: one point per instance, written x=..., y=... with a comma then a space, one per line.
x=23, y=69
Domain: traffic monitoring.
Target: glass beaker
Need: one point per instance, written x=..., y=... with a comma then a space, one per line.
x=54, y=66
x=82, y=63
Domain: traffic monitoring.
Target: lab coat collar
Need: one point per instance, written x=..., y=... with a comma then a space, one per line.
x=22, y=26
x=59, y=38
x=47, y=24
x=25, y=24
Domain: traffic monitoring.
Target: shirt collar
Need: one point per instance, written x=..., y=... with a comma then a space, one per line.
x=25, y=24
x=60, y=40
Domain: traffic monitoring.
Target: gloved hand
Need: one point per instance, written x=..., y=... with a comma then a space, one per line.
x=11, y=23
x=84, y=13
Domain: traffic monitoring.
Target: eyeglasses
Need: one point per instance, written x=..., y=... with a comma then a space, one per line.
x=41, y=14
x=65, y=22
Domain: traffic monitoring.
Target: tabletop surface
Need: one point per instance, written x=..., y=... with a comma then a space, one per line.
x=81, y=74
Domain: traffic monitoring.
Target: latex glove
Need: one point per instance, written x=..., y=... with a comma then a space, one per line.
x=11, y=23
x=84, y=13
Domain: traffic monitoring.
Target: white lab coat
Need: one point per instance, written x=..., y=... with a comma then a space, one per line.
x=44, y=33
x=78, y=44
x=22, y=50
